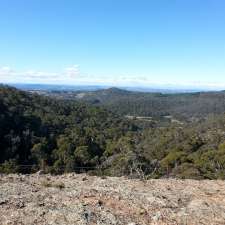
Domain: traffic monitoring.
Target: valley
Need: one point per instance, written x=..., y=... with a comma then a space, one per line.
x=60, y=135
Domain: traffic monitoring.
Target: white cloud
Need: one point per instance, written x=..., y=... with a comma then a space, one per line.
x=67, y=76
x=72, y=75
x=5, y=70
x=40, y=74
x=72, y=71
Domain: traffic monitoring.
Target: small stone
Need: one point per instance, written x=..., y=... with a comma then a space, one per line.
x=2, y=202
x=142, y=211
x=100, y=202
x=84, y=178
x=157, y=216
x=40, y=172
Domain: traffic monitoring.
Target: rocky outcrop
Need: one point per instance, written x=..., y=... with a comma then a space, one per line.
x=81, y=199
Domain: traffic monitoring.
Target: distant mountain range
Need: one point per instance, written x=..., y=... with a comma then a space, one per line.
x=161, y=105
x=53, y=87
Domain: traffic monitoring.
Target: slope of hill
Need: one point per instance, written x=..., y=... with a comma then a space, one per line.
x=38, y=132
x=35, y=130
x=182, y=106
x=81, y=200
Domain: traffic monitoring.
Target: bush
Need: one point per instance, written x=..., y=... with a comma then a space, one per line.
x=9, y=166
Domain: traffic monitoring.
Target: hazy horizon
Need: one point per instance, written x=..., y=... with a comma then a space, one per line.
x=93, y=87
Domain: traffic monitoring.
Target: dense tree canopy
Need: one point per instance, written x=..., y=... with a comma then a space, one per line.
x=38, y=132
x=182, y=106
x=58, y=134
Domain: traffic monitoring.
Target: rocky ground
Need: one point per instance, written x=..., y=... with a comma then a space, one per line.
x=81, y=199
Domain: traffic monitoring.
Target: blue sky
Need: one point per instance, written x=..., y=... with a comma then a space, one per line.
x=118, y=42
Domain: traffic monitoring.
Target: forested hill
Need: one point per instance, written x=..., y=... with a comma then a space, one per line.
x=184, y=106
x=36, y=130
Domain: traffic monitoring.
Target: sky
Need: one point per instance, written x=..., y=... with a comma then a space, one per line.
x=115, y=42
